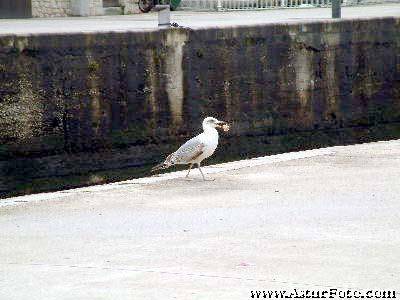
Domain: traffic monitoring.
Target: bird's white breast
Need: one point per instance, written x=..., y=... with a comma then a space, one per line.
x=210, y=140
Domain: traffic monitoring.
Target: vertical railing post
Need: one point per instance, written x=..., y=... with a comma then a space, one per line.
x=219, y=5
x=164, y=16
x=336, y=9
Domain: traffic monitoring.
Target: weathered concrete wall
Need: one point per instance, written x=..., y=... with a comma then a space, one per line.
x=76, y=109
x=87, y=7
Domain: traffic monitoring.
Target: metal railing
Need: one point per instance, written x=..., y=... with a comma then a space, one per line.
x=225, y=5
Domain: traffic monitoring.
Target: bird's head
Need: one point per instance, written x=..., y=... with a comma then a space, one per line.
x=211, y=122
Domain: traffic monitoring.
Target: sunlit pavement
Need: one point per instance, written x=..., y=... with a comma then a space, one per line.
x=320, y=219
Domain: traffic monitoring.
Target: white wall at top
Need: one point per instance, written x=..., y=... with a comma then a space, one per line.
x=86, y=7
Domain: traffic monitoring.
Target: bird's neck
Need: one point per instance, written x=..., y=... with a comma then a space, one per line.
x=210, y=130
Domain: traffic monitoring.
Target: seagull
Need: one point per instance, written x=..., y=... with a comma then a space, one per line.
x=195, y=150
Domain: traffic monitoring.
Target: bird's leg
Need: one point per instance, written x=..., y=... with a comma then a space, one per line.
x=198, y=165
x=187, y=175
x=204, y=179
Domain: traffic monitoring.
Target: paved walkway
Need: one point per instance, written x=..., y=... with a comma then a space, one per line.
x=191, y=19
x=320, y=219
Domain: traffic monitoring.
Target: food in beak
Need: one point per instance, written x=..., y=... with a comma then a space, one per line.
x=225, y=127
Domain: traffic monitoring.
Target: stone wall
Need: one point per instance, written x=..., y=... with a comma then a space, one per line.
x=63, y=8
x=78, y=109
x=51, y=8
x=130, y=6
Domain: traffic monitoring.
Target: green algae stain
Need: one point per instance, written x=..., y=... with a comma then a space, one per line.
x=93, y=66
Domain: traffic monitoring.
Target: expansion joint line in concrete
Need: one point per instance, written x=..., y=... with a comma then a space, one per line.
x=177, y=274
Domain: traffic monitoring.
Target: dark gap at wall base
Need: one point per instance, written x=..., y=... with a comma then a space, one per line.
x=231, y=148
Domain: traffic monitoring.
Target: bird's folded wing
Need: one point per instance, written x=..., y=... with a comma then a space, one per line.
x=189, y=151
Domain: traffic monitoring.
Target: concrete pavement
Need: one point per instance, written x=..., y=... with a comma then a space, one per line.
x=190, y=19
x=320, y=219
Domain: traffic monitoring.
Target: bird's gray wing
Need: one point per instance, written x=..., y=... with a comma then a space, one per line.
x=189, y=151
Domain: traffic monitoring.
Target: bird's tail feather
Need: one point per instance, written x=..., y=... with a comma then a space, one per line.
x=159, y=167
x=164, y=165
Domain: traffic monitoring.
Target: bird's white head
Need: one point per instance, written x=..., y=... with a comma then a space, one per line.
x=211, y=122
